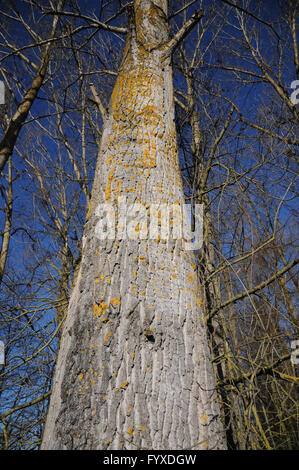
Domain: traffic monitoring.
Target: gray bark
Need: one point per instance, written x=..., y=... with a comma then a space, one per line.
x=134, y=368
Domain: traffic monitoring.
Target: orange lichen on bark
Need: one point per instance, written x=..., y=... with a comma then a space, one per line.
x=108, y=187
x=100, y=309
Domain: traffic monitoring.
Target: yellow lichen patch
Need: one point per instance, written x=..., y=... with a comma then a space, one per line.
x=130, y=430
x=81, y=377
x=117, y=190
x=124, y=384
x=107, y=336
x=204, y=418
x=100, y=309
x=108, y=187
x=115, y=302
x=129, y=410
x=88, y=210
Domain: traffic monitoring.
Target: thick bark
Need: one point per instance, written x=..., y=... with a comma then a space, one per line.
x=134, y=368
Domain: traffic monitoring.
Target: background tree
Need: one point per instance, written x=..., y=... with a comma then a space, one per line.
x=243, y=169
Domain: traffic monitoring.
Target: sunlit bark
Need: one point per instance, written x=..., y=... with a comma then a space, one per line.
x=134, y=368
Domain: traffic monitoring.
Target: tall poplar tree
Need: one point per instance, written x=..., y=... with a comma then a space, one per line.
x=134, y=369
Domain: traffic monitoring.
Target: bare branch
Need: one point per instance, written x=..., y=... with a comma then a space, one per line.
x=252, y=15
x=265, y=370
x=182, y=33
x=182, y=9
x=254, y=289
x=10, y=137
x=98, y=101
x=104, y=26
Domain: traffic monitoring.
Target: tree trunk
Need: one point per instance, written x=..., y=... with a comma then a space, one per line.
x=7, y=225
x=134, y=368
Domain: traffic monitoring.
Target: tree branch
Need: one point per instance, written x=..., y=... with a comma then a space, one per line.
x=268, y=370
x=98, y=101
x=9, y=139
x=182, y=33
x=252, y=15
x=254, y=289
x=182, y=9
x=104, y=26
x=25, y=405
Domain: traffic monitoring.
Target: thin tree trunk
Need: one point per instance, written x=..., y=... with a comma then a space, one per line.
x=16, y=123
x=7, y=226
x=134, y=368
x=63, y=287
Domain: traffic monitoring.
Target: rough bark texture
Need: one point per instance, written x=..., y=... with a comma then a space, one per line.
x=134, y=367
